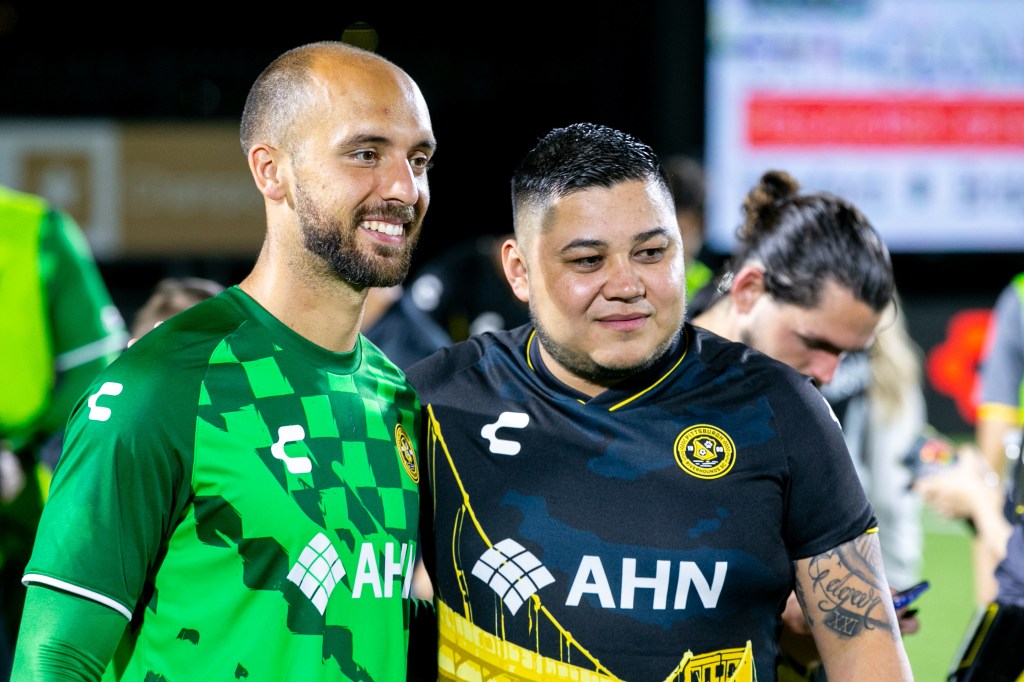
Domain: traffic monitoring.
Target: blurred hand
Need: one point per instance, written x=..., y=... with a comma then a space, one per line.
x=909, y=624
x=793, y=617
x=12, y=478
x=961, y=490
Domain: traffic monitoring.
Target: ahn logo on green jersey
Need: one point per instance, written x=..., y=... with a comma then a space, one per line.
x=319, y=570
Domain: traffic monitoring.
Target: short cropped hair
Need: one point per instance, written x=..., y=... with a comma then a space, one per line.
x=578, y=157
x=282, y=91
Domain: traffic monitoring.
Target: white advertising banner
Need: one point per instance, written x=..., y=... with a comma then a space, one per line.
x=911, y=109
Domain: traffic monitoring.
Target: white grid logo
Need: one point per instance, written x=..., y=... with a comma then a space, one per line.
x=512, y=572
x=317, y=571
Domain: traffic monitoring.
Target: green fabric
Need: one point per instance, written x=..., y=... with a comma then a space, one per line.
x=258, y=499
x=52, y=646
x=86, y=328
x=697, y=276
x=26, y=360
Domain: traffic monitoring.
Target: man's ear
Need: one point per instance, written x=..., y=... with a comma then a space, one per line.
x=265, y=164
x=747, y=287
x=513, y=261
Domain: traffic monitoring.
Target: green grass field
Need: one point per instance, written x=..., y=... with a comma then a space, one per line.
x=947, y=609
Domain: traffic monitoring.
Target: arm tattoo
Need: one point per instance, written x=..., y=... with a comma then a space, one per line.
x=848, y=588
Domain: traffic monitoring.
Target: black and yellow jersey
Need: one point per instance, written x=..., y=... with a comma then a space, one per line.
x=647, y=533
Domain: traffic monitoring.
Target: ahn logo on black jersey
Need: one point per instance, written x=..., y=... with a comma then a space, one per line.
x=705, y=451
x=516, y=574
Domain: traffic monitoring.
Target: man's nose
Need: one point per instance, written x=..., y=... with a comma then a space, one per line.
x=823, y=366
x=624, y=280
x=399, y=183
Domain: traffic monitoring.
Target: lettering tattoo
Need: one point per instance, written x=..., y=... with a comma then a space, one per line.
x=848, y=588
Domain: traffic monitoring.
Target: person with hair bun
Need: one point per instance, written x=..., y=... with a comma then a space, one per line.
x=808, y=279
x=810, y=283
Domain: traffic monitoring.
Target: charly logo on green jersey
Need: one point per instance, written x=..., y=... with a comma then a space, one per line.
x=407, y=453
x=705, y=451
x=98, y=412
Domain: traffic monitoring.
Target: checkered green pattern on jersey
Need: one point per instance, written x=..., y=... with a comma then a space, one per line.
x=254, y=387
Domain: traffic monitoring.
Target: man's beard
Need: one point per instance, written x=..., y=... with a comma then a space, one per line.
x=583, y=366
x=337, y=245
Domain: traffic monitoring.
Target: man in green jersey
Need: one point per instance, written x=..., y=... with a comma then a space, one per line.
x=60, y=329
x=237, y=496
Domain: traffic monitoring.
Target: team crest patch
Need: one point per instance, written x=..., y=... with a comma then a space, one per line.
x=705, y=451
x=406, y=453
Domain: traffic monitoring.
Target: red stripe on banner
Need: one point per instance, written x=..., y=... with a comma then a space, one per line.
x=887, y=122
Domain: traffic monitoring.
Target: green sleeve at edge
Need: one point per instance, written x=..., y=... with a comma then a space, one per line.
x=64, y=637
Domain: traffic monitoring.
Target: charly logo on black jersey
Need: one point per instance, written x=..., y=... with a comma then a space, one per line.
x=407, y=453
x=705, y=451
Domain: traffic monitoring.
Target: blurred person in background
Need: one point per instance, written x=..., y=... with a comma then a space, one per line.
x=979, y=485
x=170, y=296
x=464, y=290
x=1001, y=382
x=60, y=329
x=814, y=309
x=984, y=484
x=686, y=179
x=395, y=325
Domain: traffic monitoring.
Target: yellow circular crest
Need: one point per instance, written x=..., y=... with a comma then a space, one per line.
x=407, y=453
x=705, y=451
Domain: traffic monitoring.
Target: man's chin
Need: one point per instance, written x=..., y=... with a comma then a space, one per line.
x=629, y=360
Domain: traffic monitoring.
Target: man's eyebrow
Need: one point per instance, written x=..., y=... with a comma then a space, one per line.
x=383, y=140
x=584, y=243
x=650, y=234
x=818, y=343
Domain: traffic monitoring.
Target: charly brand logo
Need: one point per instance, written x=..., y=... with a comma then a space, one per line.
x=407, y=453
x=293, y=433
x=705, y=451
x=506, y=420
x=97, y=412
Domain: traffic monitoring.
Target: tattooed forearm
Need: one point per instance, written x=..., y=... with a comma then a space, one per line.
x=847, y=588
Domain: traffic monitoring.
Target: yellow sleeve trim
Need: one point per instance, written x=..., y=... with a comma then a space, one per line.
x=999, y=412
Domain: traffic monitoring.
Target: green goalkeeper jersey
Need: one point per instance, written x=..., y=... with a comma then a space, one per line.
x=246, y=499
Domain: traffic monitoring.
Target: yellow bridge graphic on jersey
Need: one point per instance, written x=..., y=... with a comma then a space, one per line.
x=469, y=653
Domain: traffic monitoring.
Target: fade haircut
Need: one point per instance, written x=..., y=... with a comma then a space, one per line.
x=578, y=157
x=283, y=91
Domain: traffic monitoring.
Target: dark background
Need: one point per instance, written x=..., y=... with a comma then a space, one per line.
x=496, y=77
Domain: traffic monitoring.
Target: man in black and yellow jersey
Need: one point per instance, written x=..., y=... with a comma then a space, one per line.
x=614, y=494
